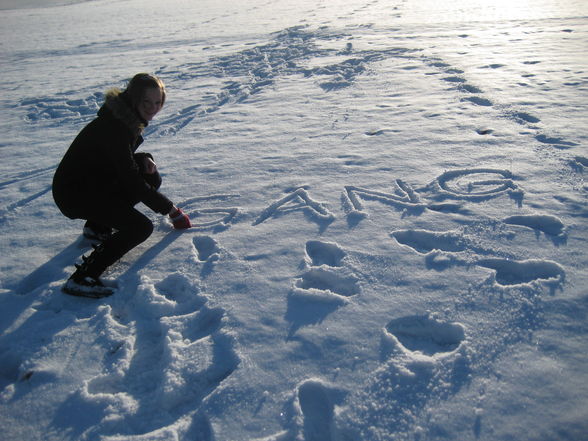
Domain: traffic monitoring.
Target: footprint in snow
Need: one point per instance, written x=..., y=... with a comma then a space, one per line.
x=438, y=64
x=519, y=272
x=325, y=286
x=181, y=294
x=10, y=372
x=326, y=279
x=492, y=66
x=454, y=79
x=324, y=283
x=314, y=410
x=206, y=248
x=484, y=131
x=581, y=162
x=478, y=101
x=317, y=410
x=196, y=325
x=523, y=117
x=468, y=88
x=207, y=252
x=425, y=335
x=550, y=225
x=555, y=141
x=324, y=253
x=423, y=241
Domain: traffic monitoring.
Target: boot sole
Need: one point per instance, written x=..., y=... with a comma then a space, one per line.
x=87, y=293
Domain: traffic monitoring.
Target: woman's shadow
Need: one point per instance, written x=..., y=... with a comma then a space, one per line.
x=54, y=269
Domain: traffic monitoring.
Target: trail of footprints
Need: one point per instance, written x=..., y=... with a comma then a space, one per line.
x=189, y=329
x=249, y=71
x=474, y=95
x=171, y=354
x=326, y=277
x=411, y=337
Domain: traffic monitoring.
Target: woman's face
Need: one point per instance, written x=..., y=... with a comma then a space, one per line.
x=151, y=103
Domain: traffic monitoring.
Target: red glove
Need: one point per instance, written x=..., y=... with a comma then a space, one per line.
x=180, y=220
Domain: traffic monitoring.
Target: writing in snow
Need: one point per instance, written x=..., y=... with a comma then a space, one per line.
x=469, y=184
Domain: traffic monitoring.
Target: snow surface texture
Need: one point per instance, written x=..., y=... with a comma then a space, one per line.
x=390, y=210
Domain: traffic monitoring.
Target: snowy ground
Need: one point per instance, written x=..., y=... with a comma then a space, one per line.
x=391, y=234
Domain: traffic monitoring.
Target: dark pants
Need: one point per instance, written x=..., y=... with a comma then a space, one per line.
x=131, y=226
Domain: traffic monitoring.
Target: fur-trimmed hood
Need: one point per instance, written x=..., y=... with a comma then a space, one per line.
x=118, y=106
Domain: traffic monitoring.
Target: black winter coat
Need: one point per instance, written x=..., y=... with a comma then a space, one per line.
x=101, y=164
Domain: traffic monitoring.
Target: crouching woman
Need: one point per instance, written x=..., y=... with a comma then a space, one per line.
x=101, y=178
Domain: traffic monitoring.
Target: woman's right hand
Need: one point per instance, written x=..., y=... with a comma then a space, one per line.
x=179, y=219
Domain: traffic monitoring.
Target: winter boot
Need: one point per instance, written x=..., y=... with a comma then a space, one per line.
x=85, y=281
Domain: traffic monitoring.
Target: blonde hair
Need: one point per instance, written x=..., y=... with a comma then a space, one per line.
x=136, y=88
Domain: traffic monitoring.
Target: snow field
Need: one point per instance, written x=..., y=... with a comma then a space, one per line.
x=389, y=207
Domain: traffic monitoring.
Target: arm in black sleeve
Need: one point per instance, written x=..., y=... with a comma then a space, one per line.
x=133, y=182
